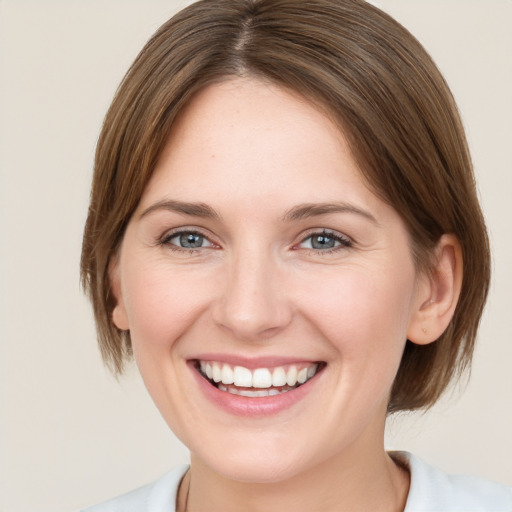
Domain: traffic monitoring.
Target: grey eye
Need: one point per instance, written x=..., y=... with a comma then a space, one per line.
x=325, y=241
x=320, y=241
x=189, y=240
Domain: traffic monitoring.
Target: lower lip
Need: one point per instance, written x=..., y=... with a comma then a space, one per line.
x=253, y=406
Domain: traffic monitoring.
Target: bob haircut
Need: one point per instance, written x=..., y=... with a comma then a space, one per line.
x=368, y=74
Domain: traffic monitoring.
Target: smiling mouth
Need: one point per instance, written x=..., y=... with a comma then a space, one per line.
x=257, y=383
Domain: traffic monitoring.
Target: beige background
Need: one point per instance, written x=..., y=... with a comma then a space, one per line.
x=70, y=435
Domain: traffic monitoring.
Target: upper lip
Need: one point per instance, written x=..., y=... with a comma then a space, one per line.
x=252, y=363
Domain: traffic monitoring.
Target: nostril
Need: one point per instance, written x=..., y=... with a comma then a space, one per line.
x=252, y=328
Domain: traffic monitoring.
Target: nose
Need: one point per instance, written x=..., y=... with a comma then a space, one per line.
x=252, y=303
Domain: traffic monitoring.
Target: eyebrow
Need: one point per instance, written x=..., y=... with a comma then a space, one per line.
x=185, y=208
x=307, y=210
x=299, y=212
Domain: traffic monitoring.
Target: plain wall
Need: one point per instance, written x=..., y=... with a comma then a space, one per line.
x=70, y=435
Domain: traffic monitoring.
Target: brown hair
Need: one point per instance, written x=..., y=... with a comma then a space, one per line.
x=370, y=75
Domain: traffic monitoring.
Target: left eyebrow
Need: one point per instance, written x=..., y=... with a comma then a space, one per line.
x=182, y=207
x=307, y=210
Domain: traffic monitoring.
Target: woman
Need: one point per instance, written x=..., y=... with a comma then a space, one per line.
x=282, y=225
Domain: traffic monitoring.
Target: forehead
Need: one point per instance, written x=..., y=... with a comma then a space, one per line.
x=248, y=110
x=258, y=139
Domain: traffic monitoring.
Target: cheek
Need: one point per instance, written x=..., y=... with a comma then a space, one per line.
x=161, y=304
x=362, y=311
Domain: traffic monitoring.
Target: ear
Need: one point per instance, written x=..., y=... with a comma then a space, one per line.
x=437, y=294
x=119, y=315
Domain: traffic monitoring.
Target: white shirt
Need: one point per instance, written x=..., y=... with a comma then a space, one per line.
x=431, y=490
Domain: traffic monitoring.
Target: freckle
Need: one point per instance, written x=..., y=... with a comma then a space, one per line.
x=213, y=156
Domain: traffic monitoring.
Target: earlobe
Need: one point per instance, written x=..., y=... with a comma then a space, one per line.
x=438, y=293
x=119, y=316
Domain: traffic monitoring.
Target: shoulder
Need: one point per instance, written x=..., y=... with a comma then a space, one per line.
x=432, y=490
x=158, y=496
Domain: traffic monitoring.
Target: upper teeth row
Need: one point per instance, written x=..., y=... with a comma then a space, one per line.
x=259, y=378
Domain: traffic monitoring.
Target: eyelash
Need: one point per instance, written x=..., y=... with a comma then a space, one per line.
x=166, y=241
x=344, y=242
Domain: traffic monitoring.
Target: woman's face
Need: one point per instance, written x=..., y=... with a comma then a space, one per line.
x=258, y=256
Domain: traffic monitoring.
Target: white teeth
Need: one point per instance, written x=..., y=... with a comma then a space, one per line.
x=302, y=376
x=278, y=377
x=216, y=372
x=242, y=377
x=253, y=394
x=261, y=378
x=291, y=376
x=265, y=380
x=227, y=374
x=257, y=393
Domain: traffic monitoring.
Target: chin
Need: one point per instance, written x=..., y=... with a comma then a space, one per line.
x=261, y=463
x=255, y=471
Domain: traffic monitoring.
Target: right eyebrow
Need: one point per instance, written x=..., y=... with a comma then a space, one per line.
x=185, y=208
x=308, y=210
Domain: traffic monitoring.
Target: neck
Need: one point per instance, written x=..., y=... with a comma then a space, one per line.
x=372, y=481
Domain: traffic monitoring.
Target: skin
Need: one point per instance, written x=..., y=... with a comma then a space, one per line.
x=252, y=152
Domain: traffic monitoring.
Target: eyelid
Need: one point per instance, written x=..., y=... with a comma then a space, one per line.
x=199, y=236
x=172, y=233
x=344, y=240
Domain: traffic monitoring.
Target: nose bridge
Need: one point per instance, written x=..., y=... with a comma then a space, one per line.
x=252, y=303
